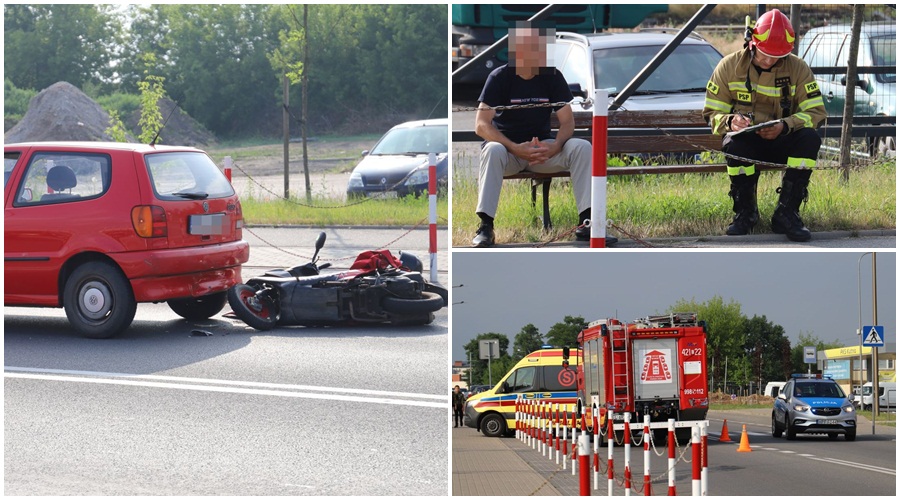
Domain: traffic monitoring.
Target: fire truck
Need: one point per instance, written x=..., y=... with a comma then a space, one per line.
x=655, y=366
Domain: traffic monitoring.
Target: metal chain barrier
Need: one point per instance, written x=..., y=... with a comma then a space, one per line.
x=382, y=247
x=588, y=102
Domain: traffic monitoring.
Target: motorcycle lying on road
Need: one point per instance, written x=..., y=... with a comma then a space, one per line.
x=377, y=288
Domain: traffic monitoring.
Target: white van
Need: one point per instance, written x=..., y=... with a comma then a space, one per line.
x=887, y=395
x=773, y=388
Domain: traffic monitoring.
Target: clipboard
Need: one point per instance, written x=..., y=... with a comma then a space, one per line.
x=754, y=128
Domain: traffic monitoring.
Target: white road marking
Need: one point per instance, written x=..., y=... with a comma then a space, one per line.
x=229, y=386
x=872, y=468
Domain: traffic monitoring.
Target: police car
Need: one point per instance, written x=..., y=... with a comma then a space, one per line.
x=813, y=406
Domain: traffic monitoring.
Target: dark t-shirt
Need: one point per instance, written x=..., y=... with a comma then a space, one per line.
x=504, y=88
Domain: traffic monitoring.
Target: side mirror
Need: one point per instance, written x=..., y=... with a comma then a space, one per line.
x=504, y=388
x=27, y=195
x=782, y=396
x=577, y=91
x=320, y=242
x=862, y=83
x=364, y=153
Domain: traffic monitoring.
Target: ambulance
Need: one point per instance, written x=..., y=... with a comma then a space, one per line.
x=541, y=375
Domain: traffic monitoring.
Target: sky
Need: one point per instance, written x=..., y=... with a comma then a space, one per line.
x=804, y=292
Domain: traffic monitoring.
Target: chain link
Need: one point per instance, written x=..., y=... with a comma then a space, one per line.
x=584, y=104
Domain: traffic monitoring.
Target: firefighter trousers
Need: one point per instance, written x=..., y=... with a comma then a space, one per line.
x=796, y=149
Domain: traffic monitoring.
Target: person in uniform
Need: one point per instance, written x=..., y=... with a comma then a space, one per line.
x=765, y=83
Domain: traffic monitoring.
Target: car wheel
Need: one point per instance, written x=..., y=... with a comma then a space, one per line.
x=776, y=432
x=199, y=308
x=850, y=435
x=493, y=425
x=98, y=300
x=789, y=431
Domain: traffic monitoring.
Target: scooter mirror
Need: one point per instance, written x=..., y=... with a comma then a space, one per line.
x=320, y=242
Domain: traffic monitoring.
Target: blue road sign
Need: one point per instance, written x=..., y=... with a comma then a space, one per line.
x=873, y=336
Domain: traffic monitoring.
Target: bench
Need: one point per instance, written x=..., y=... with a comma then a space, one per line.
x=637, y=132
x=630, y=132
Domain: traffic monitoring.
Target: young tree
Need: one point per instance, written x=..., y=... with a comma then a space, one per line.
x=725, y=326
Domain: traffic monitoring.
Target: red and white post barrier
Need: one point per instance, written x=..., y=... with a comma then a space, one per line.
x=647, y=492
x=584, y=465
x=598, y=170
x=556, y=432
x=596, y=421
x=695, y=461
x=627, y=438
x=610, y=441
x=432, y=214
x=671, y=445
x=565, y=436
x=228, y=164
x=704, y=442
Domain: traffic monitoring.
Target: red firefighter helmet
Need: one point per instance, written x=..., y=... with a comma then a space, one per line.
x=773, y=34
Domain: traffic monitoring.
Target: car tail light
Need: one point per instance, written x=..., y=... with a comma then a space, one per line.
x=239, y=216
x=149, y=221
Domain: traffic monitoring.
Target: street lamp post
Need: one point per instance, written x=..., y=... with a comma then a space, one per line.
x=862, y=377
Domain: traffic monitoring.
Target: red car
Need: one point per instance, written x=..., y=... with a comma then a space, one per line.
x=96, y=228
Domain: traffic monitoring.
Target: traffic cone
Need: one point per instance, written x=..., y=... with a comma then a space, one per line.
x=745, y=441
x=724, y=436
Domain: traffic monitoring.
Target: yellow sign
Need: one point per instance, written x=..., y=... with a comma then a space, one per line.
x=743, y=96
x=712, y=87
x=811, y=87
x=843, y=352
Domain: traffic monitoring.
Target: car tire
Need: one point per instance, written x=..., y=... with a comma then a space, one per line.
x=776, y=432
x=98, y=300
x=789, y=431
x=199, y=308
x=850, y=435
x=493, y=425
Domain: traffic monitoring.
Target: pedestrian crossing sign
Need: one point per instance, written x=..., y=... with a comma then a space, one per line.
x=873, y=336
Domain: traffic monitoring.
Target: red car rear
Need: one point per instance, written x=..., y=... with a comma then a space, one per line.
x=96, y=228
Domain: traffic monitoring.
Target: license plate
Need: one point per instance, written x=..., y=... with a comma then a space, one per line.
x=383, y=194
x=828, y=422
x=208, y=224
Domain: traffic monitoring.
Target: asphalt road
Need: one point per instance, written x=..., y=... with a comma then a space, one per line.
x=160, y=411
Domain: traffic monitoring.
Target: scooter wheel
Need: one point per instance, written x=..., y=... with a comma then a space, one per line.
x=430, y=302
x=259, y=312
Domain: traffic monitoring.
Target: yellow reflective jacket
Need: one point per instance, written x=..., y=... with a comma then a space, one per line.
x=727, y=93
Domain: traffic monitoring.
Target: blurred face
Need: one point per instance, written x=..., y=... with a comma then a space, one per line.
x=529, y=48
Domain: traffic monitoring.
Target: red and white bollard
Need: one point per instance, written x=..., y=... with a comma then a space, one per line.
x=596, y=421
x=671, y=446
x=647, y=492
x=598, y=170
x=556, y=432
x=228, y=164
x=610, y=441
x=432, y=214
x=565, y=437
x=695, y=461
x=584, y=465
x=627, y=438
x=704, y=441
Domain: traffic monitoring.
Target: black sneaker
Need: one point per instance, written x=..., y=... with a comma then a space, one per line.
x=583, y=233
x=484, y=237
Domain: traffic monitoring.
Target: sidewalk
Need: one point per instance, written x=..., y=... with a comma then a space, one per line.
x=490, y=467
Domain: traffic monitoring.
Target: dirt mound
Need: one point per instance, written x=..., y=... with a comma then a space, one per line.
x=181, y=129
x=61, y=112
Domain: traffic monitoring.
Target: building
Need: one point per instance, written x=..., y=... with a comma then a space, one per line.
x=852, y=368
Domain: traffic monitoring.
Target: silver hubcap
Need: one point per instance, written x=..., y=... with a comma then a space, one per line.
x=94, y=300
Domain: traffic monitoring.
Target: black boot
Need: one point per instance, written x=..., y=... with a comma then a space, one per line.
x=746, y=213
x=583, y=233
x=792, y=193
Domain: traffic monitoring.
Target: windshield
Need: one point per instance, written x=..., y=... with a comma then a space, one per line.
x=884, y=53
x=687, y=68
x=818, y=390
x=413, y=140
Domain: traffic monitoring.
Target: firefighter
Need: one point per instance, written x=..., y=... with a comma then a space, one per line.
x=760, y=83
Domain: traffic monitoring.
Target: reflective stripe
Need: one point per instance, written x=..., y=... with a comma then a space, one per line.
x=717, y=121
x=800, y=162
x=718, y=105
x=762, y=89
x=811, y=103
x=741, y=169
x=807, y=120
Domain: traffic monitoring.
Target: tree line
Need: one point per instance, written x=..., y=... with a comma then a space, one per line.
x=757, y=350
x=368, y=67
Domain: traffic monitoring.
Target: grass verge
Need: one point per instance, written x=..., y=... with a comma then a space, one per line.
x=323, y=211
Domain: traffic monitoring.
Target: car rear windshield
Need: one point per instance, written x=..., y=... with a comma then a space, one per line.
x=687, y=68
x=413, y=140
x=186, y=175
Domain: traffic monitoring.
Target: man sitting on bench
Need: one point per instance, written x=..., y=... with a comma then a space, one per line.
x=521, y=139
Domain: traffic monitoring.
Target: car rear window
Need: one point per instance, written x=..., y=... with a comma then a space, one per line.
x=413, y=140
x=186, y=175
x=53, y=177
x=9, y=162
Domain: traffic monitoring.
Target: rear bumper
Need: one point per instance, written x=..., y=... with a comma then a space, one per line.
x=160, y=275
